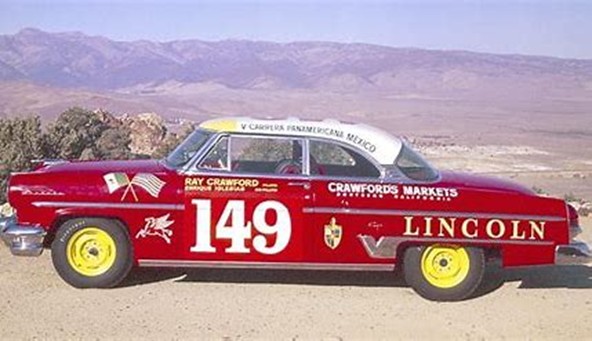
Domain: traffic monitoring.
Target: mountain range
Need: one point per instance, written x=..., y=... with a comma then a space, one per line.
x=74, y=60
x=478, y=97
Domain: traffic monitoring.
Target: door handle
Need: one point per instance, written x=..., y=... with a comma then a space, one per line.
x=304, y=184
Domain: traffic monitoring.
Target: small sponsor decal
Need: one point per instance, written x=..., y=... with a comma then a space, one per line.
x=198, y=184
x=148, y=182
x=333, y=233
x=157, y=227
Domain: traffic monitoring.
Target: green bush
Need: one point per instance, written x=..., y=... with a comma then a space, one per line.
x=21, y=141
x=77, y=134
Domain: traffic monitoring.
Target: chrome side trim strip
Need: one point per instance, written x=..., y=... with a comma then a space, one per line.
x=127, y=205
x=265, y=265
x=444, y=214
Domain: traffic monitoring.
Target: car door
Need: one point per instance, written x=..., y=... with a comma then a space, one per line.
x=347, y=187
x=244, y=203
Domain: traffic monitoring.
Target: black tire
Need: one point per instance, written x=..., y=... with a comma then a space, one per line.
x=454, y=285
x=108, y=273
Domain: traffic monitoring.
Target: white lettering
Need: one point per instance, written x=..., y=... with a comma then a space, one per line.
x=231, y=225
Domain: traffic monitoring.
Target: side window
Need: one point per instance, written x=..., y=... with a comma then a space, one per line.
x=330, y=159
x=265, y=155
x=217, y=159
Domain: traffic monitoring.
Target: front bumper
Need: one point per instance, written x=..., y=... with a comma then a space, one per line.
x=576, y=252
x=23, y=240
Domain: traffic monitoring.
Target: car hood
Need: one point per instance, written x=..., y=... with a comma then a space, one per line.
x=126, y=166
x=464, y=180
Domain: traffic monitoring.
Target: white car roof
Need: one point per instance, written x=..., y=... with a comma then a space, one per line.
x=383, y=147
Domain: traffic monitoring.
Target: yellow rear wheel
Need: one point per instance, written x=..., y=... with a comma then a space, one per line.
x=444, y=272
x=91, y=251
x=445, y=266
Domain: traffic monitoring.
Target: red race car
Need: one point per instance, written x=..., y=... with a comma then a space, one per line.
x=285, y=194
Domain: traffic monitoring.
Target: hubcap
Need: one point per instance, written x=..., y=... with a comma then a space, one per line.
x=91, y=251
x=445, y=266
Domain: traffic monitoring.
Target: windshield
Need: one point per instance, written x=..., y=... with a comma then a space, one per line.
x=414, y=166
x=187, y=149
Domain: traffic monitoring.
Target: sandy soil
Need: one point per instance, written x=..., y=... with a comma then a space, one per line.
x=552, y=172
x=537, y=303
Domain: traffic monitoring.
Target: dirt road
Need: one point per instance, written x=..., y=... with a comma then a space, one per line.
x=537, y=303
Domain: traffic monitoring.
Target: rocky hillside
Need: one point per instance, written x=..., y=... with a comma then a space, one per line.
x=149, y=133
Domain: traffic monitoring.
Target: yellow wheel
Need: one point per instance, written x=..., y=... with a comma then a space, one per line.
x=443, y=272
x=91, y=251
x=445, y=266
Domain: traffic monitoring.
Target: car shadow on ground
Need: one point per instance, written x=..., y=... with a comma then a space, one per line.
x=551, y=276
x=537, y=277
x=328, y=278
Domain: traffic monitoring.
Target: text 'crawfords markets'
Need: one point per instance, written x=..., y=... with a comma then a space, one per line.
x=379, y=190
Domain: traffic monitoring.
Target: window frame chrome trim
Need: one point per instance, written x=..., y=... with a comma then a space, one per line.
x=191, y=167
x=109, y=205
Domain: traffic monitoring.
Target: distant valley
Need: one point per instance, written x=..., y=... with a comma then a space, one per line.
x=43, y=72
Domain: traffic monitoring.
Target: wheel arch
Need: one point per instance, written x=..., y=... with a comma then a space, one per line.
x=491, y=251
x=62, y=217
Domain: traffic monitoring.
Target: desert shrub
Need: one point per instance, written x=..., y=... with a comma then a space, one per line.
x=21, y=141
x=570, y=197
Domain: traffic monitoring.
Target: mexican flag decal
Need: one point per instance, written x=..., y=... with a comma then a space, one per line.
x=148, y=182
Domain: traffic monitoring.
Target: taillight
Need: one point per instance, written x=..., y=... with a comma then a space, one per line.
x=574, y=224
x=573, y=216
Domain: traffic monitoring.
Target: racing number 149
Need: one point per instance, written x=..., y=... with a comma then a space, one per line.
x=238, y=231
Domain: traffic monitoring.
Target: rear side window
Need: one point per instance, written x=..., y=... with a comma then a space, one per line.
x=330, y=159
x=414, y=166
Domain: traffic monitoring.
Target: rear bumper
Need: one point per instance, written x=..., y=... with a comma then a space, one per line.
x=23, y=240
x=576, y=252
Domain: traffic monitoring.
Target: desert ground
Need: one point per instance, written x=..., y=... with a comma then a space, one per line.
x=549, y=302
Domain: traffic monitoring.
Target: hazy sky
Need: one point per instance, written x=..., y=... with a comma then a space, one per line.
x=544, y=27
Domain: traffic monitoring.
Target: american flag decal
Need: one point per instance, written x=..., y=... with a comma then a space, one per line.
x=149, y=182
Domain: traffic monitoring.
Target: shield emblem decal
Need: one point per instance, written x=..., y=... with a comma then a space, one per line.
x=333, y=234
